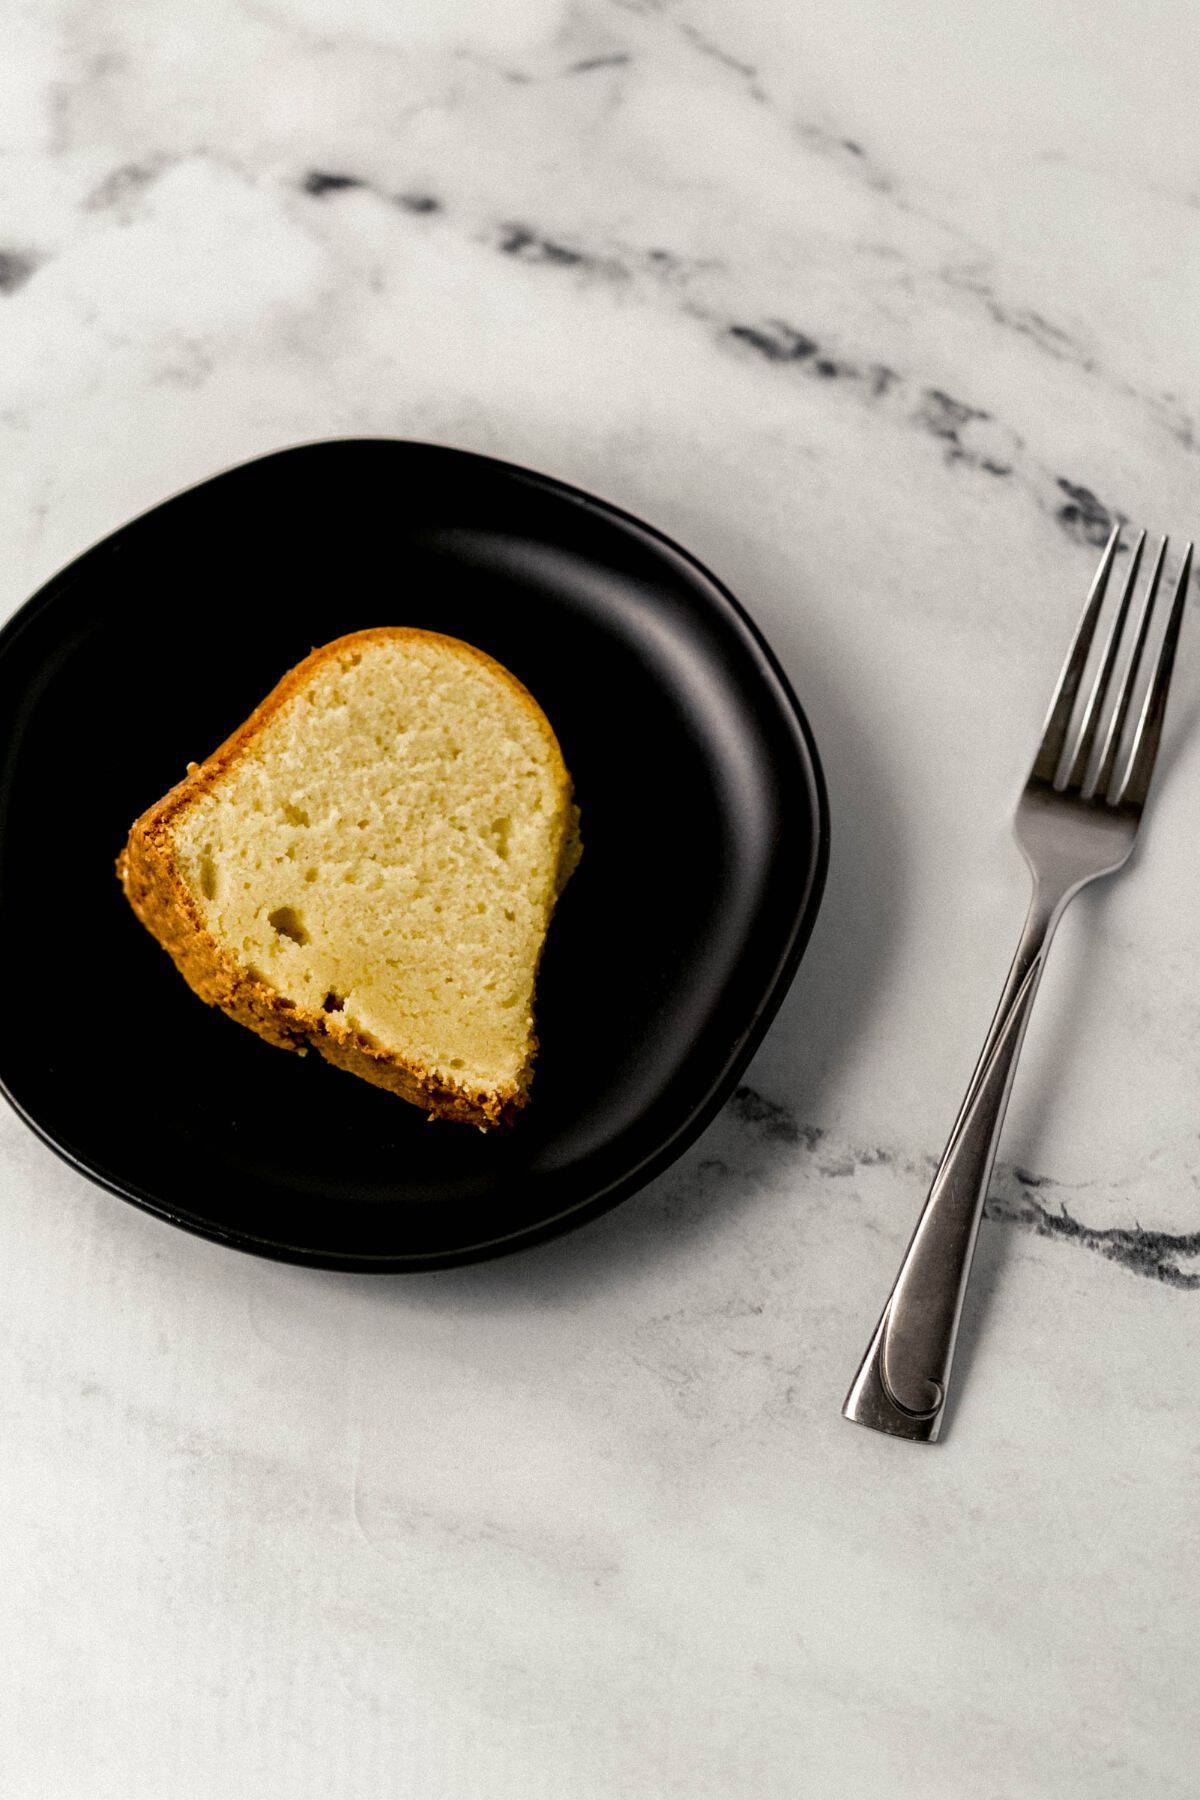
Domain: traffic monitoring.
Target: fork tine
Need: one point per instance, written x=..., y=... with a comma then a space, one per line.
x=1054, y=733
x=1090, y=723
x=1116, y=725
x=1140, y=767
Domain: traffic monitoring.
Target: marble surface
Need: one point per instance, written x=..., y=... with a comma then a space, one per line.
x=885, y=312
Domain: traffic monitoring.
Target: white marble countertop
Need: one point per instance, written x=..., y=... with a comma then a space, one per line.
x=884, y=312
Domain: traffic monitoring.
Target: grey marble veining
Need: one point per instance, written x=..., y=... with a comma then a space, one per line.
x=887, y=313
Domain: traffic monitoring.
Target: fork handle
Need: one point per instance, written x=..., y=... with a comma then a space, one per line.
x=902, y=1384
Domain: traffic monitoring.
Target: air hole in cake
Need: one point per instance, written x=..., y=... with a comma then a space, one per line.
x=208, y=876
x=333, y=1001
x=295, y=815
x=288, y=923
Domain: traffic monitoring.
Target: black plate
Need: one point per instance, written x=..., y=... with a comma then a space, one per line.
x=704, y=824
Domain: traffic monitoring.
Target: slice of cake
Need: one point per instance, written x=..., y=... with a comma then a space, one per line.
x=369, y=865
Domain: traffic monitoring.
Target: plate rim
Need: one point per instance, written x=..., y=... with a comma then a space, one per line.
x=701, y=1115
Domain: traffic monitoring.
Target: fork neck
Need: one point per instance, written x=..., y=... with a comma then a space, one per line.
x=1047, y=904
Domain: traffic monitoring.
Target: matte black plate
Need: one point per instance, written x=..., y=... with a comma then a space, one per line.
x=704, y=825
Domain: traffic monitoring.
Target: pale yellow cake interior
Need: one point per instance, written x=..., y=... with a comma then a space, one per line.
x=387, y=851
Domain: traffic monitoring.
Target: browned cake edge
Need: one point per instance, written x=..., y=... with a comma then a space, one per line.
x=149, y=873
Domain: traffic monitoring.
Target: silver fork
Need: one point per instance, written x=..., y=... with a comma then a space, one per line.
x=1076, y=820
